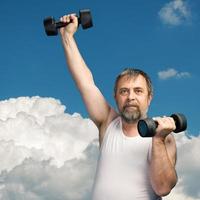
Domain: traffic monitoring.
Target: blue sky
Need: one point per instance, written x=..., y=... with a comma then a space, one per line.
x=161, y=37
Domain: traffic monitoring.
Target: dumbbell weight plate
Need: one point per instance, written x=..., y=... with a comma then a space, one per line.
x=85, y=18
x=147, y=127
x=180, y=122
x=50, y=26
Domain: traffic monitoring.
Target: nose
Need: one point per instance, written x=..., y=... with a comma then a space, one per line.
x=131, y=95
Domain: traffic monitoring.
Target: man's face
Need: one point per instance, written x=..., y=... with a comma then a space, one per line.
x=132, y=98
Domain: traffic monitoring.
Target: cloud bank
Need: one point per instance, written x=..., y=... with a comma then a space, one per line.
x=48, y=154
x=175, y=13
x=45, y=152
x=172, y=73
x=188, y=168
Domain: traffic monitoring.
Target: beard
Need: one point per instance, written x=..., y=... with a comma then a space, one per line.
x=130, y=115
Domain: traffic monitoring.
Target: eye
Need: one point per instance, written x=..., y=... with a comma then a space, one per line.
x=124, y=91
x=138, y=91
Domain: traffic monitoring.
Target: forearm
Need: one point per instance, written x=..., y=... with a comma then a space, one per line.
x=79, y=70
x=162, y=171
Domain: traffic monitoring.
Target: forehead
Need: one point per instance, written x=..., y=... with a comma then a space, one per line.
x=132, y=81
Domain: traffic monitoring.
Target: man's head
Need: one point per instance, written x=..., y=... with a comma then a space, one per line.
x=133, y=93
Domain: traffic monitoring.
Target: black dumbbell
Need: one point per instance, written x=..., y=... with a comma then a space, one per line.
x=147, y=127
x=51, y=26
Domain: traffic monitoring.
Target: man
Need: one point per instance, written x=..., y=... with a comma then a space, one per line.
x=130, y=167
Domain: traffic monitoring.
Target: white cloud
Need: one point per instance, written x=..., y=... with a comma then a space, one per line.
x=47, y=154
x=167, y=73
x=183, y=75
x=37, y=125
x=39, y=180
x=175, y=13
x=172, y=73
x=188, y=169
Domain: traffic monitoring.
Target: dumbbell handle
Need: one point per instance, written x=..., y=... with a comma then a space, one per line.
x=60, y=24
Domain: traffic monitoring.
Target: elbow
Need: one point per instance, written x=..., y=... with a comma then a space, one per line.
x=165, y=189
x=162, y=192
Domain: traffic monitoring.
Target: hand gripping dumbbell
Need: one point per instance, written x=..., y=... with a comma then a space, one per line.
x=147, y=127
x=51, y=26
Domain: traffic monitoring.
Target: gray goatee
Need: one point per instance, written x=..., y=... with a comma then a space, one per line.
x=130, y=116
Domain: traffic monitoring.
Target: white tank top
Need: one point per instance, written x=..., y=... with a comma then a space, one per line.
x=122, y=170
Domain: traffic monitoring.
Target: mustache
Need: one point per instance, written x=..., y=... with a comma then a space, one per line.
x=130, y=105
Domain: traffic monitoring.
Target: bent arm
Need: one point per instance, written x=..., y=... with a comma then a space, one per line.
x=96, y=104
x=162, y=165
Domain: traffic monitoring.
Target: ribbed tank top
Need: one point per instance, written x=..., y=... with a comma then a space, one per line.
x=122, y=171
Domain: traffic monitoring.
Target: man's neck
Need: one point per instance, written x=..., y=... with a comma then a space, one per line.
x=130, y=129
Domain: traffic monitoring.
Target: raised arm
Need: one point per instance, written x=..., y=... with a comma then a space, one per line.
x=95, y=102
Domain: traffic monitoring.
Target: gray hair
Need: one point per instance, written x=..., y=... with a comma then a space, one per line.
x=132, y=72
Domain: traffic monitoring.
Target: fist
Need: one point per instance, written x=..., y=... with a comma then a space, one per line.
x=72, y=25
x=166, y=125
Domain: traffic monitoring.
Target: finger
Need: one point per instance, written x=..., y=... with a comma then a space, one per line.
x=73, y=18
x=156, y=118
x=172, y=122
x=162, y=121
x=167, y=123
x=168, y=120
x=65, y=18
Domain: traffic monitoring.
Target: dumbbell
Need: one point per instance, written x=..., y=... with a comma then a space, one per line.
x=147, y=127
x=51, y=26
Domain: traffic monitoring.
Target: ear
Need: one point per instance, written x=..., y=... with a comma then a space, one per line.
x=150, y=99
x=114, y=96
